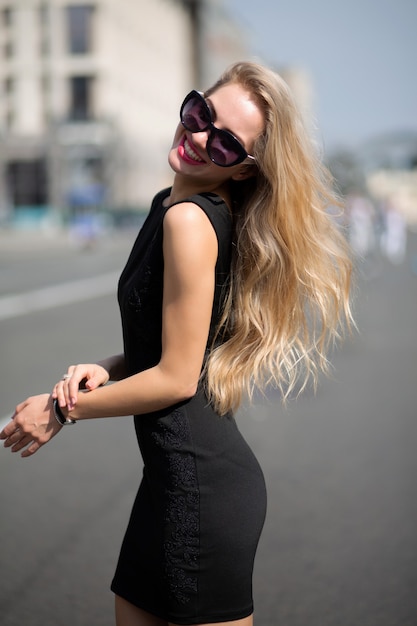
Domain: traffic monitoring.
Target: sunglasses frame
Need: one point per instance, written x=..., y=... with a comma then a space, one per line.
x=242, y=154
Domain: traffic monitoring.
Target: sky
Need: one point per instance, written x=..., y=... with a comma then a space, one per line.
x=360, y=55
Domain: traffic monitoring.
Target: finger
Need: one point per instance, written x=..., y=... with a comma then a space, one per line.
x=24, y=441
x=12, y=439
x=34, y=447
x=92, y=383
x=63, y=394
x=60, y=394
x=8, y=430
x=69, y=372
x=56, y=389
x=79, y=374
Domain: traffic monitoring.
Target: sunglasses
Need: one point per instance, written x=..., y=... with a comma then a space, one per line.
x=222, y=147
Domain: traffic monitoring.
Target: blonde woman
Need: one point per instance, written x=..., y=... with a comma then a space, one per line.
x=238, y=279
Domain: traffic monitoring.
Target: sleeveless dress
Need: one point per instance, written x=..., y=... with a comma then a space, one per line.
x=188, y=552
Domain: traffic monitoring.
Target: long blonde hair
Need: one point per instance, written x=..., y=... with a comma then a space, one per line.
x=288, y=297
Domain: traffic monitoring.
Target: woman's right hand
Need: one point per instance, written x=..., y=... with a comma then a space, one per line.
x=91, y=375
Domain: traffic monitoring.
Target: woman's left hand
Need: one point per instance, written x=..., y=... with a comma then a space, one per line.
x=92, y=375
x=33, y=424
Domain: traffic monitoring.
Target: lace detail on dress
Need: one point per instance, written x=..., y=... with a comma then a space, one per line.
x=182, y=514
x=136, y=296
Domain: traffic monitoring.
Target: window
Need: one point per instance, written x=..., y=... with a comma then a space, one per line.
x=6, y=21
x=26, y=182
x=44, y=27
x=44, y=89
x=43, y=15
x=8, y=50
x=9, y=120
x=81, y=98
x=8, y=85
x=6, y=16
x=8, y=89
x=80, y=18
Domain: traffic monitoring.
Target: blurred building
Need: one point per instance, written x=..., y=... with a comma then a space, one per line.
x=221, y=41
x=390, y=166
x=301, y=85
x=89, y=97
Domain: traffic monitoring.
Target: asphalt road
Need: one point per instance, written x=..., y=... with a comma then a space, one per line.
x=340, y=543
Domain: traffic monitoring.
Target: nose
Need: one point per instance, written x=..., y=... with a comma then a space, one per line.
x=200, y=138
x=202, y=134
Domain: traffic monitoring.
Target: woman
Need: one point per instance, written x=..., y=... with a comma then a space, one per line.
x=238, y=278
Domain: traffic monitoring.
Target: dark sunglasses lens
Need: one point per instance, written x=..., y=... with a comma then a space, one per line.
x=224, y=149
x=194, y=115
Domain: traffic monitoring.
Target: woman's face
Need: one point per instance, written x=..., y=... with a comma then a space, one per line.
x=232, y=109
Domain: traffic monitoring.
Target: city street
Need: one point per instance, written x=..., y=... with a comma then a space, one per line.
x=339, y=546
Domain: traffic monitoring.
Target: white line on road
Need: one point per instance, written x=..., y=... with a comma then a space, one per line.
x=53, y=296
x=57, y=295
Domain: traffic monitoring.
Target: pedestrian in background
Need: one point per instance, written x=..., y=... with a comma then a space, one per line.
x=239, y=278
x=361, y=222
x=394, y=233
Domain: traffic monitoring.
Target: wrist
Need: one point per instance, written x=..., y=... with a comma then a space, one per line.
x=59, y=414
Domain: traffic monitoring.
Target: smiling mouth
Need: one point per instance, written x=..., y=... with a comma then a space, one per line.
x=189, y=153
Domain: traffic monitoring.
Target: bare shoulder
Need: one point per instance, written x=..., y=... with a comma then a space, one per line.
x=188, y=220
x=186, y=214
x=187, y=228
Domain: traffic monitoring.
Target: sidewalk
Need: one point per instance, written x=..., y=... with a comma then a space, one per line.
x=51, y=241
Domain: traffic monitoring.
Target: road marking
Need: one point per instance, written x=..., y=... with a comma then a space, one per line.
x=57, y=295
x=53, y=296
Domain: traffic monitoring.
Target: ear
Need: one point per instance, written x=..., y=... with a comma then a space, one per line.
x=245, y=171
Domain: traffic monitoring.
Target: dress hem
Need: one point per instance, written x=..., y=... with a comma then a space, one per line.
x=182, y=621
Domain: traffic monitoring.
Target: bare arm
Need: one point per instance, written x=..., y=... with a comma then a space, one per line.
x=190, y=253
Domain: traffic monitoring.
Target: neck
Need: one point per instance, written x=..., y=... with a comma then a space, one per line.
x=182, y=189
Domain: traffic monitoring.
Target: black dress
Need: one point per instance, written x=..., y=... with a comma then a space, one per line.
x=189, y=548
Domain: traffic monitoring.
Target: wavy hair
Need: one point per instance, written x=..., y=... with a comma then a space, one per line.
x=288, y=297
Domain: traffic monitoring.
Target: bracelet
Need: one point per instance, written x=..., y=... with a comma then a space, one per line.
x=59, y=416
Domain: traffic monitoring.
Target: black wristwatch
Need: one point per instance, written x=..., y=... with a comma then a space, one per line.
x=59, y=416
